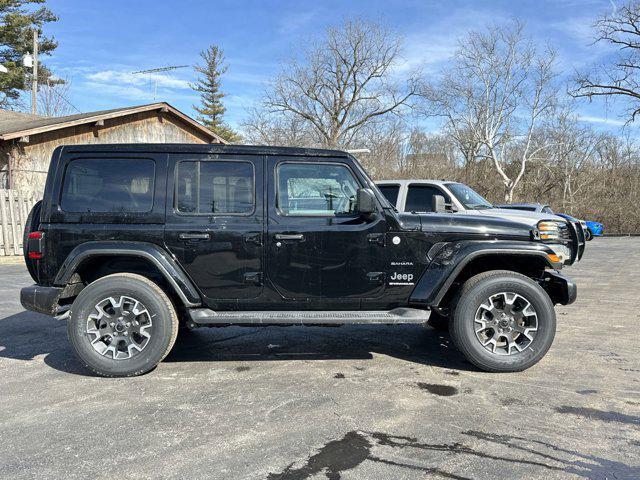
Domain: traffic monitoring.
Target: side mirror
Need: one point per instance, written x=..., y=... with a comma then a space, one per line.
x=438, y=204
x=365, y=201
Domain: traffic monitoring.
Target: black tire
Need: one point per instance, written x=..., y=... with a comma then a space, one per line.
x=163, y=330
x=439, y=322
x=479, y=289
x=31, y=225
x=588, y=235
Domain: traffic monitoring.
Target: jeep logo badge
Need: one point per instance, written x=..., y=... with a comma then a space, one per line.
x=401, y=279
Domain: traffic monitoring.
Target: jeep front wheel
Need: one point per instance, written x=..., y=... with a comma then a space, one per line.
x=122, y=325
x=503, y=321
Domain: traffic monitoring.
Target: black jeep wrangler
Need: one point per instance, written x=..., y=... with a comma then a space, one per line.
x=132, y=242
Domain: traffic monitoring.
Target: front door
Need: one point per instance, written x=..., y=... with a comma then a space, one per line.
x=214, y=223
x=318, y=247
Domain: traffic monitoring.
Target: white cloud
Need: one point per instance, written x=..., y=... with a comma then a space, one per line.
x=431, y=47
x=119, y=77
x=294, y=21
x=601, y=120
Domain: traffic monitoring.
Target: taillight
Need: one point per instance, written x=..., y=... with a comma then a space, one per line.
x=35, y=247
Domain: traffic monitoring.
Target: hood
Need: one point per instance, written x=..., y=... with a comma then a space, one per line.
x=461, y=224
x=531, y=218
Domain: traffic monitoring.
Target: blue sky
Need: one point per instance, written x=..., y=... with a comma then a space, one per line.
x=101, y=42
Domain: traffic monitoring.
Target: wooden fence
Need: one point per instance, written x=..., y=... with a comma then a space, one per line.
x=14, y=210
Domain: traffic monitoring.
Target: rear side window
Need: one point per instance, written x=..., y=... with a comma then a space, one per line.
x=113, y=185
x=420, y=198
x=391, y=193
x=206, y=188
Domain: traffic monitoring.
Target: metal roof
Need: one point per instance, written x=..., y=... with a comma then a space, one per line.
x=16, y=125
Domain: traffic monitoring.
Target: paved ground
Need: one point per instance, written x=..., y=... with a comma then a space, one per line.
x=351, y=402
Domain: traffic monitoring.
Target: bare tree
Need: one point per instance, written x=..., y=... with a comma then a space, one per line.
x=493, y=98
x=619, y=78
x=261, y=127
x=53, y=98
x=344, y=83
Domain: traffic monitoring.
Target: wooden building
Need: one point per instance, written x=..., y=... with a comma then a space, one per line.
x=27, y=141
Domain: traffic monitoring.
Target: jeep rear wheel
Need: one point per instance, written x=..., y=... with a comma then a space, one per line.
x=503, y=321
x=122, y=325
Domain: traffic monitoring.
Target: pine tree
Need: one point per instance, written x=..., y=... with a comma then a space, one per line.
x=17, y=22
x=208, y=85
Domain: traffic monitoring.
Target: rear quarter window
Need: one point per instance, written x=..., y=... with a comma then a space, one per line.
x=103, y=185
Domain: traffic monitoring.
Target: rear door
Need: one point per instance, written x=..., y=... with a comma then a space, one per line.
x=214, y=223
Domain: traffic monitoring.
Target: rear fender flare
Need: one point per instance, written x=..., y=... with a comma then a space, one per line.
x=451, y=259
x=160, y=258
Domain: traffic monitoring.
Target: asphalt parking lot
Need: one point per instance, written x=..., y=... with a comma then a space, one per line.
x=361, y=402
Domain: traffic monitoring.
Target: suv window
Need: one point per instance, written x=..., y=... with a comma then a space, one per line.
x=215, y=187
x=316, y=189
x=391, y=193
x=420, y=198
x=108, y=185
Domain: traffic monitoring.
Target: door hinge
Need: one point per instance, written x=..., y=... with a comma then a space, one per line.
x=376, y=277
x=253, y=237
x=253, y=277
x=376, y=238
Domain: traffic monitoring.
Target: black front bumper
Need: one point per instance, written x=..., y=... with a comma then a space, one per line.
x=41, y=299
x=561, y=289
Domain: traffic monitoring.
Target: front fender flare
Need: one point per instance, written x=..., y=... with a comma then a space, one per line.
x=155, y=254
x=451, y=258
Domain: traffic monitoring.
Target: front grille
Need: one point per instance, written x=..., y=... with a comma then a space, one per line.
x=564, y=232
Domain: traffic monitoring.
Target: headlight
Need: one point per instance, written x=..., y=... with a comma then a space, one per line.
x=548, y=231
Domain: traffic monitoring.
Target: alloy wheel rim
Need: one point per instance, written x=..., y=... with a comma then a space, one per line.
x=506, y=323
x=119, y=327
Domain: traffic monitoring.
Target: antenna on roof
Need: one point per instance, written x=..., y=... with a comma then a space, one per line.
x=156, y=70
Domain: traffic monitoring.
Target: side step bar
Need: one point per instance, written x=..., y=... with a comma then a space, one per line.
x=205, y=316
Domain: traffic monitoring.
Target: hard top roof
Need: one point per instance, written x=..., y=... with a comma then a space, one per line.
x=203, y=148
x=414, y=181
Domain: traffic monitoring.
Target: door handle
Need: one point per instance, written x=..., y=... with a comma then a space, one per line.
x=290, y=236
x=194, y=236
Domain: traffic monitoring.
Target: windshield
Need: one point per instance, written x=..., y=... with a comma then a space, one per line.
x=466, y=195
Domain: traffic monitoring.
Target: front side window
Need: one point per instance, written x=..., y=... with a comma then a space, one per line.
x=420, y=198
x=108, y=185
x=390, y=192
x=223, y=188
x=316, y=189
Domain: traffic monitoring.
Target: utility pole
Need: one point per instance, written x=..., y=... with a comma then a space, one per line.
x=34, y=73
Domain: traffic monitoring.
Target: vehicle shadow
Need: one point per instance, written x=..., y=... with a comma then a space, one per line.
x=28, y=336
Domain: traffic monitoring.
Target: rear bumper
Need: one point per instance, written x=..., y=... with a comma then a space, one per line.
x=561, y=289
x=41, y=299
